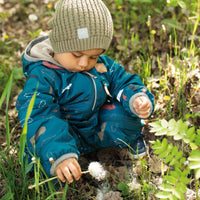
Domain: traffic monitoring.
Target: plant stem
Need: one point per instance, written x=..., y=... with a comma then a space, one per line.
x=50, y=179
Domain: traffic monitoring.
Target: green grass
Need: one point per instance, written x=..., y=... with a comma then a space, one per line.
x=151, y=39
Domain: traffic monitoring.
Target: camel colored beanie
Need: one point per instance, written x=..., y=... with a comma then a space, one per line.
x=80, y=25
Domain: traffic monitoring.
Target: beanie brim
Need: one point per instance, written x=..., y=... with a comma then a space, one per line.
x=97, y=42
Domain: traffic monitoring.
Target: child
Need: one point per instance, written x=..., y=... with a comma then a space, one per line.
x=84, y=101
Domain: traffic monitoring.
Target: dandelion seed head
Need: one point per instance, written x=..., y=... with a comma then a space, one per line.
x=32, y=17
x=134, y=185
x=96, y=170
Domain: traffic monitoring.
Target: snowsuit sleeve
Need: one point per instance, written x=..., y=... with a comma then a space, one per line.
x=48, y=135
x=125, y=87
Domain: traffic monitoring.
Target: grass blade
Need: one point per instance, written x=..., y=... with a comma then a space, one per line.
x=6, y=94
x=6, y=90
x=24, y=131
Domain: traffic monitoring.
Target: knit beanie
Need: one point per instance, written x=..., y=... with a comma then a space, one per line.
x=80, y=25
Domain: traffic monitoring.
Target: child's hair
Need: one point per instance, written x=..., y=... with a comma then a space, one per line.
x=80, y=25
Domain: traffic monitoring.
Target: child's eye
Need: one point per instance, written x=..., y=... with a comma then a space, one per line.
x=93, y=58
x=76, y=55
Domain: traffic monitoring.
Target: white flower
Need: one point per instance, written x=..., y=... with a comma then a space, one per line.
x=100, y=195
x=134, y=185
x=32, y=17
x=96, y=170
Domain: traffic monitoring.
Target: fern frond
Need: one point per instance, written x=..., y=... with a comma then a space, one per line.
x=176, y=181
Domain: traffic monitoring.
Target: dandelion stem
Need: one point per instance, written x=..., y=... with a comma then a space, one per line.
x=85, y=172
x=50, y=179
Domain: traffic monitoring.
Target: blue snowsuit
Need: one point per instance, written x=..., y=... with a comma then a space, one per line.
x=71, y=113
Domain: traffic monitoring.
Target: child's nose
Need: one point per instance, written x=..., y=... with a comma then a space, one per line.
x=83, y=62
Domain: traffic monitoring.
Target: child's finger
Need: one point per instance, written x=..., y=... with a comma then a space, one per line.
x=75, y=170
x=137, y=102
x=67, y=174
x=144, y=114
x=60, y=175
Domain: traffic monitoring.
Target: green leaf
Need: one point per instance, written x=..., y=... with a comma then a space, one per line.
x=168, y=159
x=178, y=193
x=124, y=188
x=194, y=156
x=173, y=162
x=8, y=196
x=164, y=131
x=190, y=132
x=6, y=90
x=182, y=160
x=17, y=73
x=24, y=131
x=172, y=123
x=169, y=148
x=163, y=195
x=193, y=146
x=166, y=187
x=179, y=155
x=172, y=180
x=28, y=168
x=184, y=180
x=182, y=127
x=176, y=174
x=172, y=23
x=172, y=3
x=163, y=154
x=181, y=4
x=178, y=137
x=194, y=165
x=172, y=132
x=187, y=141
x=174, y=150
x=161, y=146
x=164, y=123
x=173, y=197
x=197, y=173
x=181, y=186
x=156, y=126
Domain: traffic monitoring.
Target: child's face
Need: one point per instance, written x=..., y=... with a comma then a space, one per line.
x=78, y=61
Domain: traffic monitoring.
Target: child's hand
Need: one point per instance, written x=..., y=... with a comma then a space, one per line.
x=142, y=106
x=67, y=168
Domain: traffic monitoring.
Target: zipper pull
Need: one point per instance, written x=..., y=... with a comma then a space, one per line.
x=106, y=89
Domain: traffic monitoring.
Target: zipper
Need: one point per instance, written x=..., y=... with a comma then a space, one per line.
x=95, y=88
